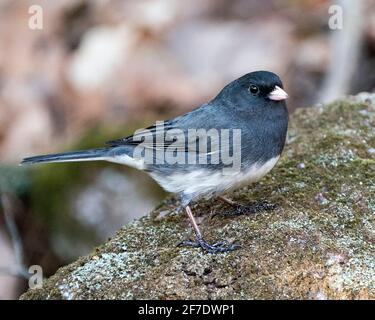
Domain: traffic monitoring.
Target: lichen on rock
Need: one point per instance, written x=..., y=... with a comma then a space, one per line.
x=319, y=242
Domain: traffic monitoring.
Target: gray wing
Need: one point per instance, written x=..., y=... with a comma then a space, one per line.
x=185, y=133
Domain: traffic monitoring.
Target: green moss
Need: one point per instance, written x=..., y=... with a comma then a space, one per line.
x=317, y=243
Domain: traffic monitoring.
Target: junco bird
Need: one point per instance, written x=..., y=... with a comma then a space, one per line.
x=231, y=141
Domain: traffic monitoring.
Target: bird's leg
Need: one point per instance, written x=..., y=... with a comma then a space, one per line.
x=218, y=247
x=242, y=209
x=193, y=222
x=228, y=201
x=238, y=208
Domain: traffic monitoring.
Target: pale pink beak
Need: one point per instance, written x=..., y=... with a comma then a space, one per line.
x=278, y=94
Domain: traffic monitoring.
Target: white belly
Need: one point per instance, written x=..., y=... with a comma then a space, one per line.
x=203, y=182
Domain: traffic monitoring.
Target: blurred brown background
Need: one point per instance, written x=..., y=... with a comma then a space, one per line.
x=100, y=69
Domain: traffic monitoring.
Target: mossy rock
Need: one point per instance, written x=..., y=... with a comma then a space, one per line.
x=319, y=243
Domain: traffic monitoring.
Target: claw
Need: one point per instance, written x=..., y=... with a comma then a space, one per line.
x=189, y=243
x=221, y=246
x=220, y=243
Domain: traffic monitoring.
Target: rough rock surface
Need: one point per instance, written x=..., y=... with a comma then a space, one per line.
x=319, y=243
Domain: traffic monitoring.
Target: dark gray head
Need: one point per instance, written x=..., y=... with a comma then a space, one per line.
x=257, y=88
x=255, y=103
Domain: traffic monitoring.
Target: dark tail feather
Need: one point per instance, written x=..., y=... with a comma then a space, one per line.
x=84, y=155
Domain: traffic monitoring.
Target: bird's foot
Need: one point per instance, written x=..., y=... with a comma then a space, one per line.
x=239, y=209
x=218, y=247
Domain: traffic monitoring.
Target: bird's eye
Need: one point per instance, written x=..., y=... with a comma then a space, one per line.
x=253, y=89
